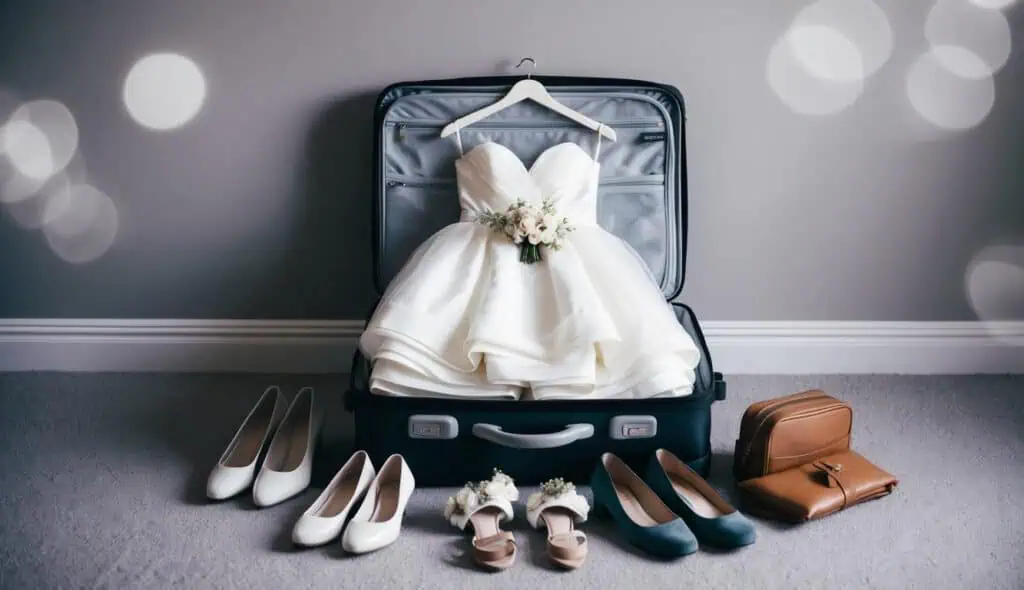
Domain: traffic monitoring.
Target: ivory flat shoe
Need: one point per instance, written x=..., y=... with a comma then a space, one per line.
x=378, y=521
x=323, y=521
x=558, y=509
x=288, y=468
x=236, y=467
x=483, y=507
x=711, y=518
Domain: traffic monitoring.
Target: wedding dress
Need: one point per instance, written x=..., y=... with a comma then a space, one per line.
x=464, y=317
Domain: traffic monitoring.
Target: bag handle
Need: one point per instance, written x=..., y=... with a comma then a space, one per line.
x=496, y=435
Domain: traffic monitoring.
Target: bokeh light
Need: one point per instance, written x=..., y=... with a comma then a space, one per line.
x=861, y=23
x=29, y=209
x=164, y=91
x=821, y=63
x=994, y=287
x=81, y=223
x=943, y=95
x=992, y=4
x=38, y=141
x=826, y=53
x=27, y=149
x=983, y=32
x=794, y=62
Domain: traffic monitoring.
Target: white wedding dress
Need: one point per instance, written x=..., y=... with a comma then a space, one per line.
x=465, y=318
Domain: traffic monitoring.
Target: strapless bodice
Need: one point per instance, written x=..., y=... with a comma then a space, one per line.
x=491, y=177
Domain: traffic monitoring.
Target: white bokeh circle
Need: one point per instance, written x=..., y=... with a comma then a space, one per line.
x=81, y=225
x=793, y=77
x=826, y=53
x=40, y=138
x=984, y=32
x=945, y=98
x=994, y=287
x=164, y=91
x=861, y=23
x=992, y=4
x=33, y=198
x=27, y=149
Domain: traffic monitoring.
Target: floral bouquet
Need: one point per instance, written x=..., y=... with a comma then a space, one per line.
x=530, y=227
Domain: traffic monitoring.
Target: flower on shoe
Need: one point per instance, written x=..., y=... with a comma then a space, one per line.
x=466, y=499
x=557, y=489
x=500, y=486
x=474, y=494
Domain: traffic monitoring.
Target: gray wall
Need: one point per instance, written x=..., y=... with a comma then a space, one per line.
x=260, y=207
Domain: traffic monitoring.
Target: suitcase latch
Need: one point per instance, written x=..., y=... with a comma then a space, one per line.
x=435, y=427
x=630, y=427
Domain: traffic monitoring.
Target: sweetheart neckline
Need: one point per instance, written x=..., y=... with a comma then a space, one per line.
x=522, y=164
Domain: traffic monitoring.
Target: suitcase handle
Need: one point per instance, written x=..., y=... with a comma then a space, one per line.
x=571, y=434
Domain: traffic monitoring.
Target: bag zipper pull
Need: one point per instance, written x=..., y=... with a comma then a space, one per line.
x=400, y=132
x=394, y=183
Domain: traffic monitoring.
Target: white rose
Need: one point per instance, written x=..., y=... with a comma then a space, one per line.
x=550, y=222
x=527, y=225
x=510, y=230
x=548, y=236
x=449, y=508
x=534, y=237
x=496, y=489
x=466, y=498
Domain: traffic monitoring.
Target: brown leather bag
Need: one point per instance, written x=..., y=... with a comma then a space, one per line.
x=816, y=489
x=785, y=432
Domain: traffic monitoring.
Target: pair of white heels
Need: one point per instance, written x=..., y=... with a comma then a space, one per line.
x=378, y=521
x=290, y=430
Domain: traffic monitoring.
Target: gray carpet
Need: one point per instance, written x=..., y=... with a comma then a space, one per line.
x=101, y=486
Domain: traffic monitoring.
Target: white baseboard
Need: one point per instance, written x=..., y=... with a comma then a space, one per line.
x=309, y=346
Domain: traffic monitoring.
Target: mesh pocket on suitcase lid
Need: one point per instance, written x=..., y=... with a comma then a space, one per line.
x=415, y=211
x=633, y=208
x=416, y=149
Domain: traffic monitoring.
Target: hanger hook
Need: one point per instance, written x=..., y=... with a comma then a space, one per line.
x=533, y=65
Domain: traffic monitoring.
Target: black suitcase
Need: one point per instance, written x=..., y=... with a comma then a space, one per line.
x=642, y=199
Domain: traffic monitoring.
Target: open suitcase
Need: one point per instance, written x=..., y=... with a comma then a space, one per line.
x=642, y=199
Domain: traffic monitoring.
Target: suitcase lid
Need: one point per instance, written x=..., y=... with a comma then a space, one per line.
x=642, y=191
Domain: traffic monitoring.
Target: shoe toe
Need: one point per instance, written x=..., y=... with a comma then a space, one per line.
x=735, y=530
x=273, y=487
x=363, y=537
x=313, y=530
x=225, y=482
x=677, y=540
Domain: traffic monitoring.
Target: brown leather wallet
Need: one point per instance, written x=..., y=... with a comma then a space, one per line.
x=816, y=489
x=783, y=432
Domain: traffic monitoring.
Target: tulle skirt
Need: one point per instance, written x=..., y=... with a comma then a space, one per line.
x=465, y=318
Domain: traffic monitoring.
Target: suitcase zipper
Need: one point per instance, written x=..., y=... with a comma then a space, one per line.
x=421, y=182
x=638, y=180
x=515, y=126
x=567, y=124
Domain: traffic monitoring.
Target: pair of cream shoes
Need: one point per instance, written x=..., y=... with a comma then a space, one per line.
x=378, y=521
x=288, y=432
x=556, y=508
